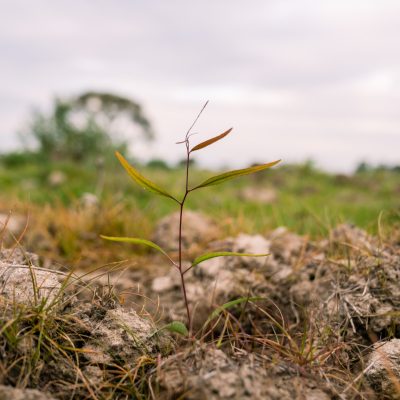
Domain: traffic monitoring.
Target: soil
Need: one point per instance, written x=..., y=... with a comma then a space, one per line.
x=317, y=320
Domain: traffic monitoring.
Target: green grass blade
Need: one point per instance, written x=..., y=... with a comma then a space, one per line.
x=211, y=141
x=216, y=180
x=208, y=256
x=141, y=180
x=231, y=304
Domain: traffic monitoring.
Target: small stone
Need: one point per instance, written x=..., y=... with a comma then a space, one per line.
x=56, y=178
x=13, y=223
x=162, y=284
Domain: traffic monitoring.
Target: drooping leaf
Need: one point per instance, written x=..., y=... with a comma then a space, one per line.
x=215, y=180
x=231, y=304
x=141, y=180
x=177, y=327
x=144, y=242
x=211, y=141
x=208, y=256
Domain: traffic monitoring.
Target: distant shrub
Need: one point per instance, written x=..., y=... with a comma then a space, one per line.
x=158, y=164
x=86, y=126
x=363, y=167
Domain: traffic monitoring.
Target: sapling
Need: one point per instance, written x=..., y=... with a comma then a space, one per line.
x=215, y=180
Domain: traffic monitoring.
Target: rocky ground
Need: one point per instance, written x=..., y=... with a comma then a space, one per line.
x=315, y=320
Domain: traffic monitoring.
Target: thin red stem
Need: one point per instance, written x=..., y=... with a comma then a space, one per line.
x=182, y=203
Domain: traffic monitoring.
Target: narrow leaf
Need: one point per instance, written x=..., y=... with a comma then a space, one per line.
x=177, y=327
x=144, y=242
x=211, y=141
x=141, y=180
x=215, y=180
x=231, y=304
x=208, y=256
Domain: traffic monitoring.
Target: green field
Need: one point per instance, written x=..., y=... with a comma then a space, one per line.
x=307, y=200
x=304, y=199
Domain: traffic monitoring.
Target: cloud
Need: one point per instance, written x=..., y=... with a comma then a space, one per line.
x=312, y=74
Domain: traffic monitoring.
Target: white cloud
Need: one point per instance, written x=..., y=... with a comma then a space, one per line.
x=314, y=75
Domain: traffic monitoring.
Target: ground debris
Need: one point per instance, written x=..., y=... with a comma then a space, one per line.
x=76, y=347
x=11, y=393
x=354, y=239
x=308, y=333
x=209, y=373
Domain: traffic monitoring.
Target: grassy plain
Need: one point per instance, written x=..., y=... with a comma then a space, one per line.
x=302, y=198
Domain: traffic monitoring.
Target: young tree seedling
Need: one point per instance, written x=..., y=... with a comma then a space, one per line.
x=215, y=180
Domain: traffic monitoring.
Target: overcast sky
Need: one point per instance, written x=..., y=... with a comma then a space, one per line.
x=296, y=79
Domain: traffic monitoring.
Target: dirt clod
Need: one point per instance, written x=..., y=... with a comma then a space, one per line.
x=23, y=281
x=11, y=393
x=209, y=373
x=383, y=369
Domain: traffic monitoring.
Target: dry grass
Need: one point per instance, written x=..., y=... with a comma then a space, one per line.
x=39, y=343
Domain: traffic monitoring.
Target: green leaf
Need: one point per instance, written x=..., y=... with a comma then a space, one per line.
x=211, y=141
x=231, y=304
x=174, y=327
x=208, y=256
x=136, y=241
x=177, y=327
x=141, y=180
x=215, y=180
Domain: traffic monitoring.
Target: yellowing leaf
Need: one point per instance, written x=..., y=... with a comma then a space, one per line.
x=215, y=180
x=208, y=256
x=211, y=141
x=141, y=180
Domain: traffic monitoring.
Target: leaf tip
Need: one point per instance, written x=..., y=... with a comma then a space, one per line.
x=105, y=237
x=120, y=157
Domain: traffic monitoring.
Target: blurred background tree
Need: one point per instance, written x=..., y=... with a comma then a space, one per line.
x=86, y=126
